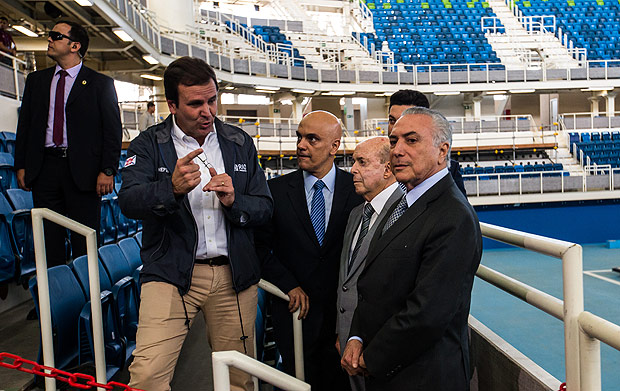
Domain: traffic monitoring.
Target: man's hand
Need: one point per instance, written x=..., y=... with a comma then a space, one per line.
x=353, y=359
x=186, y=174
x=222, y=185
x=299, y=299
x=105, y=184
x=338, y=345
x=21, y=179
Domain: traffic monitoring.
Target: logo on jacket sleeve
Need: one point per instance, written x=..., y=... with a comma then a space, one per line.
x=241, y=167
x=130, y=161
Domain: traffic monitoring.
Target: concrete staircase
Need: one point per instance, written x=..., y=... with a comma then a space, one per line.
x=519, y=47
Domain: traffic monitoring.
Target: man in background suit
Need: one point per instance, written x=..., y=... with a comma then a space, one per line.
x=68, y=138
x=409, y=330
x=402, y=100
x=300, y=248
x=374, y=181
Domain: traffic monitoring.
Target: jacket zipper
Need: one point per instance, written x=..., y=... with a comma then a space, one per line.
x=191, y=272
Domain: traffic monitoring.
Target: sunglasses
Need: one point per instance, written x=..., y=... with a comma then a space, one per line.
x=56, y=36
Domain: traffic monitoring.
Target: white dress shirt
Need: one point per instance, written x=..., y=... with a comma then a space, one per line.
x=328, y=191
x=205, y=206
x=378, y=203
x=69, y=80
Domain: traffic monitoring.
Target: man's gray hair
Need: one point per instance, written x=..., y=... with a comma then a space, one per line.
x=443, y=129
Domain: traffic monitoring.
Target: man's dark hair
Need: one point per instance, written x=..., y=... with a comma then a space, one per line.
x=188, y=71
x=4, y=18
x=409, y=98
x=149, y=105
x=77, y=34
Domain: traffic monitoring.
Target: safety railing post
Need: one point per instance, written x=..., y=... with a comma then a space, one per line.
x=572, y=268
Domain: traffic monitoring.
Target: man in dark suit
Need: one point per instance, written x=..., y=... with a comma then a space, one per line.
x=375, y=182
x=400, y=101
x=409, y=331
x=300, y=248
x=68, y=138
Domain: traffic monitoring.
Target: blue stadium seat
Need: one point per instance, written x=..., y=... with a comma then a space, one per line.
x=20, y=223
x=5, y=207
x=8, y=180
x=107, y=228
x=20, y=199
x=131, y=250
x=7, y=255
x=9, y=143
x=138, y=238
x=66, y=303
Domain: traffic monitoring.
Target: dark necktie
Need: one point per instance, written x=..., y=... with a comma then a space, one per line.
x=368, y=211
x=317, y=211
x=59, y=109
x=399, y=211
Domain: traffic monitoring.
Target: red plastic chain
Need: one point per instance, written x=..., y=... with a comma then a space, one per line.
x=563, y=387
x=77, y=380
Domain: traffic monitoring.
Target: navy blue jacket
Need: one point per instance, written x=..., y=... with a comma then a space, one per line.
x=169, y=239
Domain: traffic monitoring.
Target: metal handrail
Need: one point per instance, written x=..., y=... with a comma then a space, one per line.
x=298, y=342
x=47, y=342
x=222, y=361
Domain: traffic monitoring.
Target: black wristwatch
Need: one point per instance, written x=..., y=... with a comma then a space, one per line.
x=108, y=171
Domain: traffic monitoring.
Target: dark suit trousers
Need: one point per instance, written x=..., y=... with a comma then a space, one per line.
x=54, y=189
x=321, y=359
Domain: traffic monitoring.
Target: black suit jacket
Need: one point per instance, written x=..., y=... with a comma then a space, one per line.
x=94, y=131
x=415, y=291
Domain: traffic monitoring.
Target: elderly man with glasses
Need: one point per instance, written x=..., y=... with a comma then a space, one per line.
x=68, y=138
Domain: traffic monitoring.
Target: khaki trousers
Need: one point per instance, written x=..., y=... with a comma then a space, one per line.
x=162, y=329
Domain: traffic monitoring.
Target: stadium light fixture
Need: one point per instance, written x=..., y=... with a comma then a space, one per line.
x=84, y=3
x=151, y=77
x=496, y=92
x=150, y=59
x=597, y=89
x=24, y=30
x=229, y=87
x=447, y=93
x=302, y=91
x=270, y=88
x=266, y=91
x=338, y=93
x=122, y=34
x=523, y=91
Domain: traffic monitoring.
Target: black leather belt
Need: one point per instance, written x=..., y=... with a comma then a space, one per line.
x=56, y=151
x=217, y=261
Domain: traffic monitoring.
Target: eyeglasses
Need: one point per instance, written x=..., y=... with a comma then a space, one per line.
x=204, y=160
x=56, y=36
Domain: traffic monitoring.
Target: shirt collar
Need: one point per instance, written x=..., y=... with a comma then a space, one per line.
x=414, y=194
x=329, y=180
x=178, y=134
x=378, y=203
x=72, y=72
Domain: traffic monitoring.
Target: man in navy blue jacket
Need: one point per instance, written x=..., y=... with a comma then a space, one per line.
x=196, y=184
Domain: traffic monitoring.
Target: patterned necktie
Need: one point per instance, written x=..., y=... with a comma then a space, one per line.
x=317, y=211
x=368, y=211
x=399, y=211
x=59, y=110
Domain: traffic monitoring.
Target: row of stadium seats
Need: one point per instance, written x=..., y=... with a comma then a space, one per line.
x=17, y=260
x=532, y=170
x=602, y=148
x=433, y=32
x=119, y=266
x=594, y=25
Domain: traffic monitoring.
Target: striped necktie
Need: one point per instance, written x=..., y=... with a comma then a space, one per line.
x=399, y=211
x=317, y=211
x=368, y=211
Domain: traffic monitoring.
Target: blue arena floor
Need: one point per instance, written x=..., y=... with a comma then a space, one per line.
x=536, y=334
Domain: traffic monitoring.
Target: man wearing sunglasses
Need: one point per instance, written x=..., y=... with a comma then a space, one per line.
x=68, y=138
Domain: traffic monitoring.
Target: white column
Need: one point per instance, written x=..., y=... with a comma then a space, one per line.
x=298, y=109
x=610, y=100
x=594, y=105
x=477, y=107
x=176, y=15
x=349, y=118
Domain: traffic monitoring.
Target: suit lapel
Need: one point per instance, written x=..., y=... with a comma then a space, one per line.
x=356, y=218
x=297, y=196
x=47, y=83
x=82, y=82
x=339, y=202
x=380, y=242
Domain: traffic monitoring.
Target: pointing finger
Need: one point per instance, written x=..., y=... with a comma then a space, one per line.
x=189, y=157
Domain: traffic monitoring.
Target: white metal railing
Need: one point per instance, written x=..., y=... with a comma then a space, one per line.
x=588, y=121
x=582, y=330
x=47, y=342
x=595, y=178
x=502, y=123
x=222, y=361
x=298, y=342
x=16, y=63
